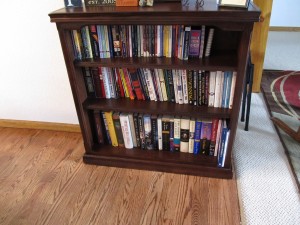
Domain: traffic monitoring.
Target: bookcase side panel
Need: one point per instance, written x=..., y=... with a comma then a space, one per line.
x=77, y=87
x=243, y=50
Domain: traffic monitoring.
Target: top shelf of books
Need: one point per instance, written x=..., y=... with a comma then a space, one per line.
x=160, y=13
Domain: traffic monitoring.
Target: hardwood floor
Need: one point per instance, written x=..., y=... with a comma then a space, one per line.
x=44, y=181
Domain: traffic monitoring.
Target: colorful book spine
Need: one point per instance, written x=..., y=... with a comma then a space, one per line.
x=194, y=49
x=94, y=41
x=111, y=128
x=172, y=149
x=147, y=130
x=197, y=137
x=205, y=136
x=214, y=130
x=108, y=138
x=177, y=133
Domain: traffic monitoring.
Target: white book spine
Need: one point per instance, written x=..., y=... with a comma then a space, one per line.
x=125, y=126
x=162, y=84
x=141, y=28
x=192, y=135
x=225, y=148
x=232, y=89
x=159, y=133
x=130, y=40
x=150, y=84
x=111, y=83
x=184, y=87
x=177, y=132
x=175, y=78
x=184, y=134
x=158, y=27
x=209, y=42
x=221, y=90
x=179, y=87
x=160, y=96
x=105, y=82
x=132, y=129
x=211, y=86
x=217, y=88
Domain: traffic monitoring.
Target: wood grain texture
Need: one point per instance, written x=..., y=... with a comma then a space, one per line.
x=259, y=41
x=44, y=181
x=40, y=125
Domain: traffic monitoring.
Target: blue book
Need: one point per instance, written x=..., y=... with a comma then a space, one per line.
x=197, y=137
x=223, y=145
x=228, y=89
x=224, y=89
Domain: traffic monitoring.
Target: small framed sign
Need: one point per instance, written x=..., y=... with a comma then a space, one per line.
x=234, y=3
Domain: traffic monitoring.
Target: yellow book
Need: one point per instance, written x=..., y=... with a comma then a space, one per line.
x=111, y=128
x=126, y=92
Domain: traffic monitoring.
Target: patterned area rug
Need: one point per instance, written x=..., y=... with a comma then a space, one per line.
x=281, y=90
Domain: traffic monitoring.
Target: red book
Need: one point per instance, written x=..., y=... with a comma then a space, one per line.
x=128, y=84
x=137, y=87
x=194, y=49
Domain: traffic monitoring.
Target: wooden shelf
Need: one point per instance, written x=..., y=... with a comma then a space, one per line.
x=175, y=162
x=152, y=107
x=221, y=61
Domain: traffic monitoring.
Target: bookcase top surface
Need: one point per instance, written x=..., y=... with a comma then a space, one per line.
x=209, y=11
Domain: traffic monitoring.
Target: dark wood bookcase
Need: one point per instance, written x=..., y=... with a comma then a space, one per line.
x=229, y=52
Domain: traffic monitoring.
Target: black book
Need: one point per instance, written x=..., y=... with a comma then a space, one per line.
x=154, y=132
x=190, y=79
x=136, y=129
x=88, y=81
x=165, y=122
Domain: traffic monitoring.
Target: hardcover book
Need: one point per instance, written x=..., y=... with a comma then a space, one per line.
x=184, y=134
x=194, y=49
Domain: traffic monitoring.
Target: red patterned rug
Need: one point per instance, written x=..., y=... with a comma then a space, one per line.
x=281, y=90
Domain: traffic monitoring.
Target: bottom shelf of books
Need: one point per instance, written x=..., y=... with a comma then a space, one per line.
x=166, y=143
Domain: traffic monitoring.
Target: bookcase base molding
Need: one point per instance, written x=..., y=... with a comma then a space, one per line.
x=158, y=165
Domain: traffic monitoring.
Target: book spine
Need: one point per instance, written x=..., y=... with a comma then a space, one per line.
x=147, y=129
x=232, y=90
x=172, y=149
x=165, y=133
x=162, y=84
x=128, y=84
x=184, y=134
x=111, y=129
x=85, y=35
x=126, y=131
x=195, y=87
x=225, y=84
x=136, y=85
x=111, y=82
x=194, y=49
x=132, y=129
x=106, y=128
x=88, y=81
x=159, y=132
x=96, y=80
x=218, y=88
x=190, y=87
x=202, y=42
x=98, y=127
x=118, y=129
x=205, y=137
x=197, y=137
x=150, y=84
x=171, y=85
x=177, y=133
x=175, y=80
x=106, y=82
x=219, y=131
x=78, y=44
x=154, y=132
x=209, y=42
x=179, y=87
x=214, y=131
x=142, y=130
x=136, y=129
x=228, y=89
x=212, y=83
x=185, y=87
x=160, y=95
x=192, y=135
x=187, y=31
x=94, y=41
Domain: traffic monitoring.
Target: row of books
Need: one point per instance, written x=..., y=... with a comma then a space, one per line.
x=194, y=87
x=162, y=132
x=108, y=41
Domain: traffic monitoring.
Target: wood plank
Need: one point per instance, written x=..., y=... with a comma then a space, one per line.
x=259, y=41
x=49, y=184
x=40, y=125
x=284, y=29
